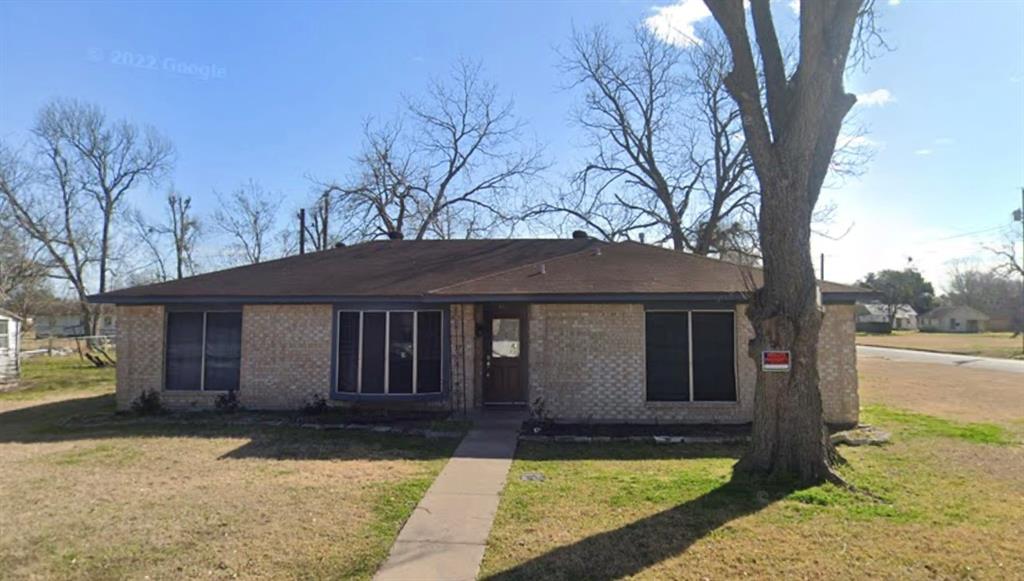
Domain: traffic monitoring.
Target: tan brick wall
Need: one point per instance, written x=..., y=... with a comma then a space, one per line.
x=465, y=367
x=286, y=355
x=837, y=365
x=587, y=364
x=140, y=352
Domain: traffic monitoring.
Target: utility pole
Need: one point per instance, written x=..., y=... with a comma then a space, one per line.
x=302, y=231
x=822, y=269
x=1019, y=216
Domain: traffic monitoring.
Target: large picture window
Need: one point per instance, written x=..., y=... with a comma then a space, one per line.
x=690, y=356
x=204, y=351
x=389, y=352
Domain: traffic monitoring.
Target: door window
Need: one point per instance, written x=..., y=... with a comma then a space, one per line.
x=504, y=338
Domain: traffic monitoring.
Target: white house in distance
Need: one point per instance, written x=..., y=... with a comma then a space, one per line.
x=962, y=319
x=874, y=318
x=10, y=331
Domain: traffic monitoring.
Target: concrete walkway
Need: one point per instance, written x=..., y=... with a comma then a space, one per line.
x=446, y=535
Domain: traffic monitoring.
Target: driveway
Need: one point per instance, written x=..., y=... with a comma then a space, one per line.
x=954, y=386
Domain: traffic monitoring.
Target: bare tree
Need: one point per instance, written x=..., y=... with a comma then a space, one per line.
x=791, y=123
x=47, y=204
x=668, y=149
x=177, y=234
x=21, y=270
x=248, y=217
x=448, y=174
x=106, y=158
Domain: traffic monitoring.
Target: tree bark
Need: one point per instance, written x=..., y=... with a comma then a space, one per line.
x=788, y=435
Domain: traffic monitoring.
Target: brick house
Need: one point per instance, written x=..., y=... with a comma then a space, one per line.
x=580, y=329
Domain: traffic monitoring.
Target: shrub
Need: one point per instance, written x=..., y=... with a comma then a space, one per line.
x=148, y=403
x=227, y=402
x=316, y=405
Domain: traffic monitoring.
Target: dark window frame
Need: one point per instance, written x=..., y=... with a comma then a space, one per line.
x=202, y=356
x=387, y=309
x=689, y=330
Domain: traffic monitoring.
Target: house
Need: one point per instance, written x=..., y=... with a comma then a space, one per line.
x=581, y=330
x=70, y=325
x=873, y=317
x=10, y=333
x=962, y=319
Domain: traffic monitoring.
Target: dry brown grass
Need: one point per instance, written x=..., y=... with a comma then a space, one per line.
x=1002, y=345
x=131, y=500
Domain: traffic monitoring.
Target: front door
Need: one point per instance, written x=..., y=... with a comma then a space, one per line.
x=504, y=355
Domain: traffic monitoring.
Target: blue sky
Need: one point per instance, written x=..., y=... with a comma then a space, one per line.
x=291, y=85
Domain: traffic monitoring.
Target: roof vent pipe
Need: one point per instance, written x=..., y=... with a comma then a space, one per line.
x=579, y=235
x=543, y=269
x=395, y=235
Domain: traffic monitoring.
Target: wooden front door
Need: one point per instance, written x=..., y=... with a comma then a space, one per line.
x=504, y=355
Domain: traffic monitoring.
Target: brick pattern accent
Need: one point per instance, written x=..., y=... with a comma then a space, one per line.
x=587, y=364
x=140, y=352
x=837, y=365
x=464, y=364
x=286, y=355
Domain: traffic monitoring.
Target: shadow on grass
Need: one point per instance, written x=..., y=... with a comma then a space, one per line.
x=630, y=549
x=48, y=422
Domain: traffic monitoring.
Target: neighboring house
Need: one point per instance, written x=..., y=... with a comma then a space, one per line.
x=70, y=325
x=874, y=318
x=10, y=333
x=960, y=319
x=580, y=329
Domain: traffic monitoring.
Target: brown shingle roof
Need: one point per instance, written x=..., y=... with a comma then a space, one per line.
x=446, y=269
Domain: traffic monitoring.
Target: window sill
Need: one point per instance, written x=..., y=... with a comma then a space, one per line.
x=691, y=404
x=346, y=396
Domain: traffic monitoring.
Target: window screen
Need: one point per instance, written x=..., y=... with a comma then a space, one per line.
x=5, y=334
x=400, y=356
x=223, y=351
x=348, y=351
x=373, y=352
x=714, y=370
x=184, y=351
x=668, y=375
x=428, y=352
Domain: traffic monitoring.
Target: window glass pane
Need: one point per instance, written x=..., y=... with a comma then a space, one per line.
x=348, y=351
x=223, y=350
x=428, y=352
x=505, y=338
x=400, y=353
x=184, y=350
x=5, y=334
x=668, y=373
x=714, y=348
x=373, y=352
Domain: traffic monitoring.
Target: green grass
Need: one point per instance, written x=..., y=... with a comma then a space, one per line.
x=651, y=511
x=914, y=424
x=41, y=376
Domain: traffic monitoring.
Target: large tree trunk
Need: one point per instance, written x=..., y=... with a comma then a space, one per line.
x=789, y=437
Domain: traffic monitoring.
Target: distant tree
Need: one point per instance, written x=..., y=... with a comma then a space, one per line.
x=22, y=275
x=248, y=216
x=668, y=157
x=901, y=287
x=452, y=156
x=174, y=236
x=66, y=194
x=993, y=292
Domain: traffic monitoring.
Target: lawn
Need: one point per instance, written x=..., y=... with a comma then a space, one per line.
x=944, y=500
x=123, y=498
x=1003, y=345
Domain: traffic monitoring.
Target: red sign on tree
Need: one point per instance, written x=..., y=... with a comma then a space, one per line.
x=775, y=361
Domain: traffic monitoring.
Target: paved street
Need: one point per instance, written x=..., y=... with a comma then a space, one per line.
x=965, y=361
